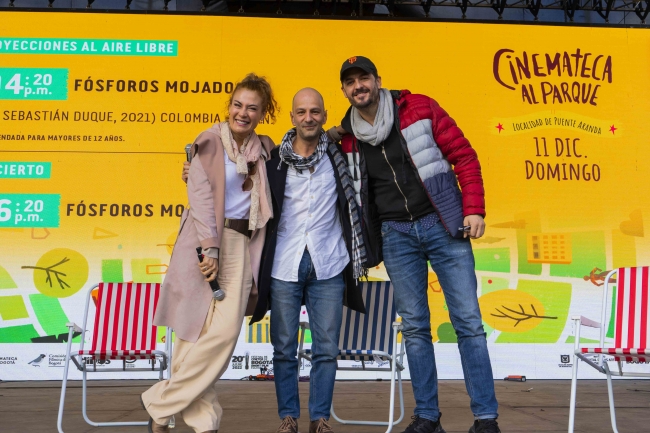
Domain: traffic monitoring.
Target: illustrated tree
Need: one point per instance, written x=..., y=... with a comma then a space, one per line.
x=51, y=271
x=60, y=272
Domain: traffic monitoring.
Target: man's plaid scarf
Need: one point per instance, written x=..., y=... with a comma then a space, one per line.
x=358, y=246
x=300, y=163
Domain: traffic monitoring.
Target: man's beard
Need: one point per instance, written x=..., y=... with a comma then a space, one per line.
x=373, y=96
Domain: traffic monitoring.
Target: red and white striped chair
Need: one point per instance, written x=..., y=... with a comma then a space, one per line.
x=123, y=331
x=631, y=342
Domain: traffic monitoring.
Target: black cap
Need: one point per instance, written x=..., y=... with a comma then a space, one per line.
x=360, y=62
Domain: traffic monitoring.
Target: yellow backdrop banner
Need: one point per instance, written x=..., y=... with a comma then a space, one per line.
x=95, y=110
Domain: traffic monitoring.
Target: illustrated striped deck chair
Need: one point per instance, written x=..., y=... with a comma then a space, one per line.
x=630, y=316
x=370, y=337
x=123, y=331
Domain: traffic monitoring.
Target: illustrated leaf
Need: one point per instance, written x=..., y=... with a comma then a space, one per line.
x=512, y=310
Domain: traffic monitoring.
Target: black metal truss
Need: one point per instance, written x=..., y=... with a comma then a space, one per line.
x=603, y=8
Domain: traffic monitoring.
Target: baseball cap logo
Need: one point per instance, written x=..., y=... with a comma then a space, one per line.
x=351, y=60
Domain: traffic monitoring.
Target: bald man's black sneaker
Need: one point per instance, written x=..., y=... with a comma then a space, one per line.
x=485, y=426
x=423, y=425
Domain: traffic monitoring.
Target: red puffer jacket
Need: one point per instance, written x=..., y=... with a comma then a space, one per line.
x=433, y=143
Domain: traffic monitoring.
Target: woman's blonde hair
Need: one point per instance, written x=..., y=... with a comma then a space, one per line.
x=262, y=87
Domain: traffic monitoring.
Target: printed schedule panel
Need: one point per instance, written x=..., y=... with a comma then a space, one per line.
x=95, y=111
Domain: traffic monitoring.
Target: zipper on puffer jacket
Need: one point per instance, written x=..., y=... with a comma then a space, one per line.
x=365, y=211
x=406, y=202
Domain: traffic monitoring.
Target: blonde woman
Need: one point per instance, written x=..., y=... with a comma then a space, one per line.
x=230, y=203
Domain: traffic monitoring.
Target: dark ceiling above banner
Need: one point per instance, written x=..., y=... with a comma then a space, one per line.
x=569, y=12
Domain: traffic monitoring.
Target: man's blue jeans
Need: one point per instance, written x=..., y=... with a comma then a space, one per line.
x=324, y=302
x=405, y=258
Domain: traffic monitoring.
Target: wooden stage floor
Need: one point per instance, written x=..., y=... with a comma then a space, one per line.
x=533, y=406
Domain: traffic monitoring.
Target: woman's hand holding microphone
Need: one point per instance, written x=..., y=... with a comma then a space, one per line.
x=209, y=268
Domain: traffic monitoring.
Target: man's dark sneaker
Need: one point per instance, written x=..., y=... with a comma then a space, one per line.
x=423, y=425
x=485, y=426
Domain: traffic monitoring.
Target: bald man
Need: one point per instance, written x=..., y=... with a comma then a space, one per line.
x=308, y=258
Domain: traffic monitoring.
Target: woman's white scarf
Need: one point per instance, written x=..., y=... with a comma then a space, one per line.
x=250, y=151
x=378, y=132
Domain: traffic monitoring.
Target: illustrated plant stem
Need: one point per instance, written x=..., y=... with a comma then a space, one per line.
x=51, y=271
x=522, y=315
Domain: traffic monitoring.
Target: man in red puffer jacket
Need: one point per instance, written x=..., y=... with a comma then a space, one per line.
x=401, y=150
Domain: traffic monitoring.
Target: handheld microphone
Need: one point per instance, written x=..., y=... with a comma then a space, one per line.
x=217, y=293
x=188, y=152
